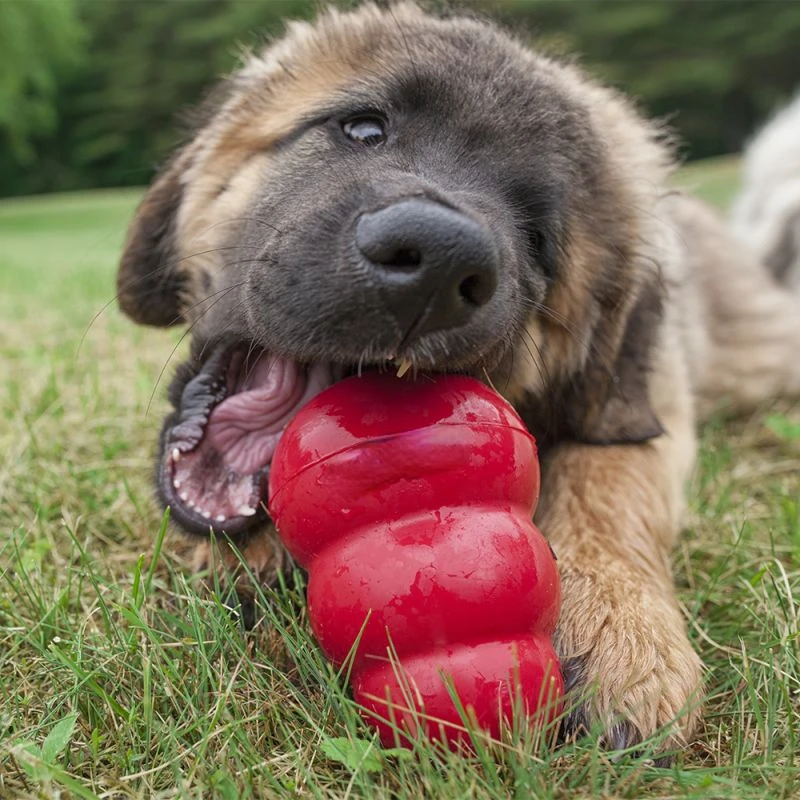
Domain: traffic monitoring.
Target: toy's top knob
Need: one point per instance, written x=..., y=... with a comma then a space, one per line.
x=378, y=447
x=375, y=405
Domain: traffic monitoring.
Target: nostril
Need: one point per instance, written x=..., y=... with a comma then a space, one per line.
x=403, y=258
x=475, y=291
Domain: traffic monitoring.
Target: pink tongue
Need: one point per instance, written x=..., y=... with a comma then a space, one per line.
x=246, y=426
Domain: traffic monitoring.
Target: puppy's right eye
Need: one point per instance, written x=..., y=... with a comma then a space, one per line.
x=369, y=131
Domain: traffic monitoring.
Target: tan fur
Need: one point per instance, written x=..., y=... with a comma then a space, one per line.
x=612, y=512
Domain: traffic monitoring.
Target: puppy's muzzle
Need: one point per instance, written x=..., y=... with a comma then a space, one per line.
x=434, y=266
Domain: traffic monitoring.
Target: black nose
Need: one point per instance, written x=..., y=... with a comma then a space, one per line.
x=434, y=266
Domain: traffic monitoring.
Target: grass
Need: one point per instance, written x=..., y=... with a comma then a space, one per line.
x=121, y=678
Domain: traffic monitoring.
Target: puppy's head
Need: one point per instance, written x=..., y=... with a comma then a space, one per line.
x=383, y=186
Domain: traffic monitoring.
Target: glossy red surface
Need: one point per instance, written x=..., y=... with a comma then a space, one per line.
x=410, y=504
x=494, y=679
x=430, y=581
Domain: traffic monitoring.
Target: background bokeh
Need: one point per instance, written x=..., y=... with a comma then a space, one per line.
x=90, y=90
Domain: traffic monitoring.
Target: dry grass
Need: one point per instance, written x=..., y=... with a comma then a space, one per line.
x=119, y=678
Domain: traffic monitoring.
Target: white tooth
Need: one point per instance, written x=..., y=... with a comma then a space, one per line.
x=184, y=495
x=176, y=483
x=405, y=366
x=190, y=504
x=246, y=511
x=205, y=513
x=176, y=454
x=220, y=518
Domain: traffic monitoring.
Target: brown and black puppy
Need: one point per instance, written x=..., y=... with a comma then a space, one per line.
x=387, y=186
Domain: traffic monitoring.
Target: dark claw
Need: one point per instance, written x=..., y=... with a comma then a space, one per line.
x=621, y=735
x=243, y=608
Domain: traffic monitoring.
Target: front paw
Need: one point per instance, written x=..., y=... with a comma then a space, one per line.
x=627, y=662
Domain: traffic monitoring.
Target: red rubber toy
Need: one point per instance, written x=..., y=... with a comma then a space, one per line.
x=410, y=505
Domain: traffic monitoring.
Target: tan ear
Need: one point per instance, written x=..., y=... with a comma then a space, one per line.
x=610, y=403
x=148, y=280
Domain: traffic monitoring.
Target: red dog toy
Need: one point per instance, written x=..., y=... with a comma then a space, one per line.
x=410, y=504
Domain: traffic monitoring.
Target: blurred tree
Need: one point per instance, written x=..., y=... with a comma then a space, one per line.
x=715, y=69
x=151, y=61
x=38, y=39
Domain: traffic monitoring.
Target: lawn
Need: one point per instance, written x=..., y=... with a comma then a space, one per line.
x=121, y=678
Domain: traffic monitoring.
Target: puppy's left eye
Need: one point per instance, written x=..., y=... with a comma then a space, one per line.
x=369, y=131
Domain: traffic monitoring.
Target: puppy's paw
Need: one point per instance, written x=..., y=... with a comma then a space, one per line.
x=626, y=660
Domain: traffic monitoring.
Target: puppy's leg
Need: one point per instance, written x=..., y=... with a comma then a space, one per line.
x=621, y=632
x=612, y=514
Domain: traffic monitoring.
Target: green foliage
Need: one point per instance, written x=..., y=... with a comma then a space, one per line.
x=355, y=754
x=714, y=69
x=38, y=41
x=41, y=763
x=59, y=737
x=151, y=62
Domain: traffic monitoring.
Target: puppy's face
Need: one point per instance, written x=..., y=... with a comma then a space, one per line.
x=382, y=188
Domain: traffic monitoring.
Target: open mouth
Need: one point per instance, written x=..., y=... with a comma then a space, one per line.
x=216, y=455
x=218, y=447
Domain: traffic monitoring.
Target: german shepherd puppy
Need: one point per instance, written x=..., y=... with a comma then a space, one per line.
x=386, y=187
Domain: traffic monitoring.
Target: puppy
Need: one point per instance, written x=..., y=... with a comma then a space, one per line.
x=383, y=186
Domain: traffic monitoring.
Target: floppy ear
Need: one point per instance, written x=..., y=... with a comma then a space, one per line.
x=610, y=404
x=148, y=281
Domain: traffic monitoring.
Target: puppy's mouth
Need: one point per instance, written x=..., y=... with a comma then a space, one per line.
x=218, y=448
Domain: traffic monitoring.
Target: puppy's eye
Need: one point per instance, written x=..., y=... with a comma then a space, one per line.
x=369, y=131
